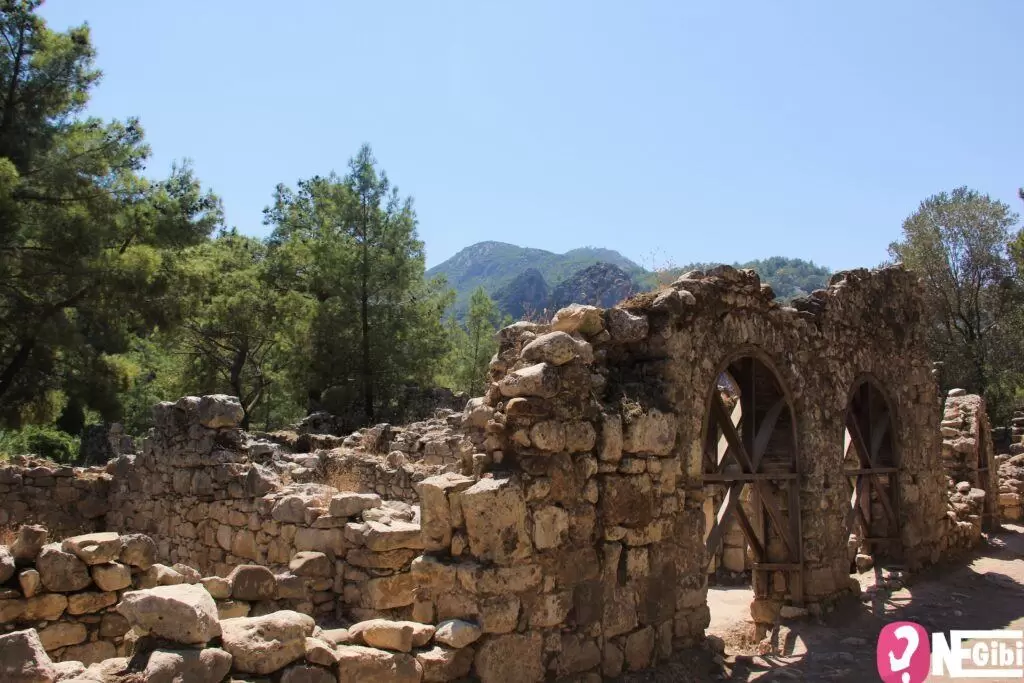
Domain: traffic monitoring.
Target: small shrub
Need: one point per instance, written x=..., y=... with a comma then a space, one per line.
x=41, y=441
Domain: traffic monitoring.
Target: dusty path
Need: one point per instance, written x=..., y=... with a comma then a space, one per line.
x=985, y=593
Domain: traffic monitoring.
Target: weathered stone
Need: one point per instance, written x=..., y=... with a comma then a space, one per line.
x=550, y=527
x=7, y=567
x=557, y=348
x=159, y=575
x=97, y=548
x=495, y=514
x=24, y=660
x=389, y=592
x=209, y=665
x=436, y=516
x=261, y=645
x=442, y=664
x=188, y=574
x=536, y=380
x=91, y=653
x=626, y=500
x=349, y=504
x=548, y=435
x=511, y=658
x=651, y=432
x=61, y=634
x=67, y=671
x=578, y=318
x=358, y=663
x=578, y=654
x=457, y=633
x=11, y=610
x=252, y=583
x=624, y=326
x=320, y=652
x=232, y=609
x=29, y=581
x=113, y=625
x=383, y=634
x=579, y=437
x=380, y=537
x=60, y=571
x=218, y=411
x=218, y=587
x=639, y=648
x=312, y=564
x=45, y=607
x=29, y=542
x=111, y=577
x=182, y=613
x=138, y=550
x=90, y=602
x=477, y=414
x=499, y=614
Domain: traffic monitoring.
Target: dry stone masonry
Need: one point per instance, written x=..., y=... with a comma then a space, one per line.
x=562, y=526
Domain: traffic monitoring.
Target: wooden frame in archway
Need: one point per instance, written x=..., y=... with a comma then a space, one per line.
x=871, y=467
x=750, y=444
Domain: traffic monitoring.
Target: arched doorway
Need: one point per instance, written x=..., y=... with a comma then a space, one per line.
x=871, y=466
x=750, y=472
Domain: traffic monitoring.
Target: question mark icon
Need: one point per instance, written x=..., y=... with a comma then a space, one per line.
x=909, y=634
x=909, y=639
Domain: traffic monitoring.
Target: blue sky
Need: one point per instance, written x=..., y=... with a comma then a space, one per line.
x=671, y=131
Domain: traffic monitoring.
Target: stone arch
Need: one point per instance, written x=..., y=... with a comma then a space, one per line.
x=749, y=442
x=872, y=463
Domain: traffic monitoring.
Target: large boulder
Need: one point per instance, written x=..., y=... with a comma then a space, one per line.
x=261, y=645
x=183, y=613
x=98, y=548
x=209, y=665
x=60, y=571
x=23, y=659
x=457, y=633
x=495, y=514
x=311, y=564
x=112, y=576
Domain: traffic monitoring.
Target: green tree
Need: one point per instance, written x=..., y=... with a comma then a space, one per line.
x=473, y=344
x=234, y=333
x=88, y=248
x=350, y=244
x=958, y=243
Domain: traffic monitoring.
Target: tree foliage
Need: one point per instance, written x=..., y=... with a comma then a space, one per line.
x=349, y=244
x=960, y=244
x=87, y=245
x=472, y=343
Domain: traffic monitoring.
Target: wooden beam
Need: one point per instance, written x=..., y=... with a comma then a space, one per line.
x=751, y=535
x=858, y=442
x=729, y=430
x=756, y=476
x=714, y=538
x=871, y=470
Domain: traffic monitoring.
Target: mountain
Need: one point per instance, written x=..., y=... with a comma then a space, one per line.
x=525, y=281
x=494, y=265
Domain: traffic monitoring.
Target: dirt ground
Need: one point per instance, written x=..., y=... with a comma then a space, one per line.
x=983, y=591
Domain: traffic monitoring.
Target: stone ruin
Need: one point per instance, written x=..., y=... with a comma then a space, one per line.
x=563, y=526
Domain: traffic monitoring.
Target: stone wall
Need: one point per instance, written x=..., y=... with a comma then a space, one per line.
x=1011, y=471
x=581, y=549
x=969, y=463
x=68, y=500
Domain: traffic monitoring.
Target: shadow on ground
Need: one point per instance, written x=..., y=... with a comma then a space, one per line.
x=982, y=591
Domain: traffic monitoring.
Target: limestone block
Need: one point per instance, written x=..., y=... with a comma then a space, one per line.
x=511, y=658
x=358, y=663
x=24, y=660
x=436, y=513
x=61, y=571
x=218, y=411
x=383, y=634
x=90, y=602
x=45, y=607
x=350, y=504
x=380, y=537
x=495, y=515
x=651, y=432
x=29, y=542
x=262, y=645
x=311, y=564
x=138, y=550
x=626, y=500
x=182, y=613
x=557, y=348
x=7, y=567
x=550, y=527
x=457, y=633
x=112, y=576
x=536, y=380
x=579, y=436
x=61, y=634
x=389, y=592
x=441, y=664
x=610, y=449
x=319, y=651
x=209, y=665
x=252, y=583
x=625, y=327
x=578, y=318
x=307, y=673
